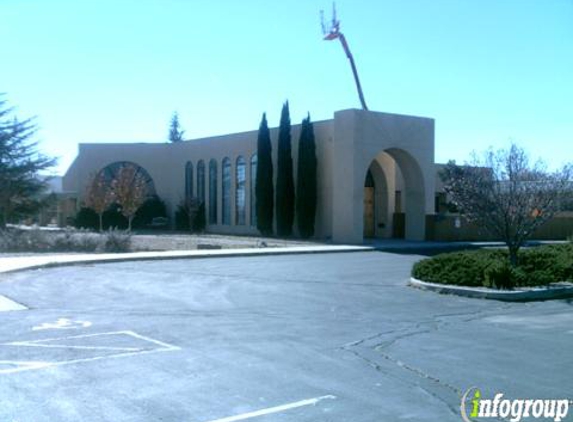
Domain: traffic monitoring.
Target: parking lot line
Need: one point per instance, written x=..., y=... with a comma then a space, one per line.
x=61, y=343
x=276, y=409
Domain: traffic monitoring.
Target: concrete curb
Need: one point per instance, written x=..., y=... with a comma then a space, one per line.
x=551, y=292
x=21, y=263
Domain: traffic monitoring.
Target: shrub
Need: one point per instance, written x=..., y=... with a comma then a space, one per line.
x=17, y=240
x=114, y=219
x=181, y=218
x=190, y=215
x=490, y=268
x=76, y=241
x=151, y=208
x=499, y=275
x=199, y=221
x=35, y=240
x=86, y=218
x=117, y=241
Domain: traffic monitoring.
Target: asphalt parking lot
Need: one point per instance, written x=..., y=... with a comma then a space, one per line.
x=330, y=337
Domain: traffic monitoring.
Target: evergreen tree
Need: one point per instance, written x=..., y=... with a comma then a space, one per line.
x=175, y=132
x=306, y=180
x=21, y=186
x=285, y=183
x=264, y=180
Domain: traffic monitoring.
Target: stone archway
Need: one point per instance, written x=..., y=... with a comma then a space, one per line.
x=378, y=195
x=411, y=199
x=394, y=196
x=364, y=141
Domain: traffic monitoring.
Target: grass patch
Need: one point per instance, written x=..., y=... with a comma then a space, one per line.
x=538, y=266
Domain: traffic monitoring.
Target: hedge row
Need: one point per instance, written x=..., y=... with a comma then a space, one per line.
x=490, y=268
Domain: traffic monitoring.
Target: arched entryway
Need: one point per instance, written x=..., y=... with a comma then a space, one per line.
x=394, y=195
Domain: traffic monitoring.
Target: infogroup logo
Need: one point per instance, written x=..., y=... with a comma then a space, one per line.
x=476, y=408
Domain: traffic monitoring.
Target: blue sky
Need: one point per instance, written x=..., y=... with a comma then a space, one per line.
x=488, y=71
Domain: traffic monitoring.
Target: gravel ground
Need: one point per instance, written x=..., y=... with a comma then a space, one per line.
x=169, y=242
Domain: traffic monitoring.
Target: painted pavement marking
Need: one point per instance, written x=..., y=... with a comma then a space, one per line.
x=276, y=409
x=13, y=366
x=62, y=324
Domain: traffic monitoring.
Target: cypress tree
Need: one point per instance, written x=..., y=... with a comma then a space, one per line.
x=306, y=180
x=285, y=183
x=264, y=180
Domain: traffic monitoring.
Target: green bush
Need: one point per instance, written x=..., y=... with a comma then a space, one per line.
x=490, y=268
x=86, y=218
x=190, y=215
x=199, y=221
x=182, y=218
x=113, y=219
x=152, y=208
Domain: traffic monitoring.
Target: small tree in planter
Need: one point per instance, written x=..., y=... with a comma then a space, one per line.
x=130, y=191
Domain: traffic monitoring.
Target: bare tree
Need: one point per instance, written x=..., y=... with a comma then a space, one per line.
x=99, y=196
x=130, y=191
x=507, y=196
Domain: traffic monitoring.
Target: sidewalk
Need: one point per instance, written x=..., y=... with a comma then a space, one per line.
x=18, y=263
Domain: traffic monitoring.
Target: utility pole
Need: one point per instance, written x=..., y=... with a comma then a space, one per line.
x=332, y=32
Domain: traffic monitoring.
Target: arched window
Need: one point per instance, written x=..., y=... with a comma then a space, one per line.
x=188, y=180
x=212, y=192
x=111, y=171
x=226, y=191
x=253, y=196
x=240, y=181
x=201, y=181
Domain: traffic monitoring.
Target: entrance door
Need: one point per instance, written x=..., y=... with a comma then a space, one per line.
x=369, y=205
x=368, y=212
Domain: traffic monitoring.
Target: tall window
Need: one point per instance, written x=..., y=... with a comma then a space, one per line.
x=188, y=180
x=240, y=181
x=226, y=191
x=212, y=192
x=201, y=181
x=253, y=198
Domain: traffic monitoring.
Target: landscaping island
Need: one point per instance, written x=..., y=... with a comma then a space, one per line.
x=543, y=272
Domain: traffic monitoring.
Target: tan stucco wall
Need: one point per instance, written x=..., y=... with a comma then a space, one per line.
x=346, y=146
x=165, y=163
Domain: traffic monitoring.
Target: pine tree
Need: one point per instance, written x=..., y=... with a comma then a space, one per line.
x=306, y=180
x=264, y=180
x=285, y=183
x=175, y=132
x=21, y=185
